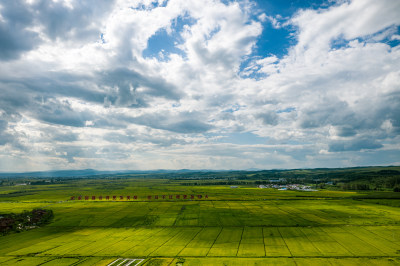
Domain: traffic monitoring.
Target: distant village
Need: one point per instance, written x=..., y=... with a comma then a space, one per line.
x=280, y=184
x=288, y=187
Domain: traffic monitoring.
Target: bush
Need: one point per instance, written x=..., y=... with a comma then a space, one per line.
x=25, y=220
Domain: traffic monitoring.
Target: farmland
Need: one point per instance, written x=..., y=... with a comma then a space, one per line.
x=241, y=226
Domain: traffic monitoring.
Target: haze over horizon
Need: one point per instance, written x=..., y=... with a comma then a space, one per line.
x=188, y=84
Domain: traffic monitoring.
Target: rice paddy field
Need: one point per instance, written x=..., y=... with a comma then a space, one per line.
x=240, y=226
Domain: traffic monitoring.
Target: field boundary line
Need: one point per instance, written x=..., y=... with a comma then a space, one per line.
x=175, y=234
x=309, y=240
x=179, y=214
x=109, y=246
x=369, y=243
x=288, y=214
x=291, y=255
x=214, y=241
x=240, y=242
x=219, y=218
x=156, y=248
x=265, y=248
x=191, y=240
x=383, y=237
x=337, y=241
x=295, y=217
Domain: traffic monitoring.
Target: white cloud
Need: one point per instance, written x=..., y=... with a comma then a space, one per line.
x=276, y=24
x=356, y=19
x=82, y=95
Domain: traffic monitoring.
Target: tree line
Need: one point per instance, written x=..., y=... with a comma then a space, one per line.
x=12, y=222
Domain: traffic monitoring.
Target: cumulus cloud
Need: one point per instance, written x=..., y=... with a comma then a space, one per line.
x=180, y=123
x=161, y=84
x=15, y=33
x=133, y=89
x=354, y=145
x=4, y=136
x=269, y=118
x=25, y=25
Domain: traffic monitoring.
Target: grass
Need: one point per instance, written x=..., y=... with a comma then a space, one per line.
x=244, y=226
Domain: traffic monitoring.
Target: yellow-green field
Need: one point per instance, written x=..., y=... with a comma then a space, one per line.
x=243, y=226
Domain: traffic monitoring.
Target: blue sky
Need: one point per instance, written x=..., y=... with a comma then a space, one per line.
x=198, y=84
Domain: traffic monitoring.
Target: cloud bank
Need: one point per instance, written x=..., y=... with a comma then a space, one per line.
x=187, y=84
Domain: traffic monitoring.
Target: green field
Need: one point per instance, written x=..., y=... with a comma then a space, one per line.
x=243, y=226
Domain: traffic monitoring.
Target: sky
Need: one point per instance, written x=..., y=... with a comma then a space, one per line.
x=198, y=84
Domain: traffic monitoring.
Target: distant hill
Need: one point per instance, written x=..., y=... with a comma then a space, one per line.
x=371, y=177
x=92, y=172
x=58, y=173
